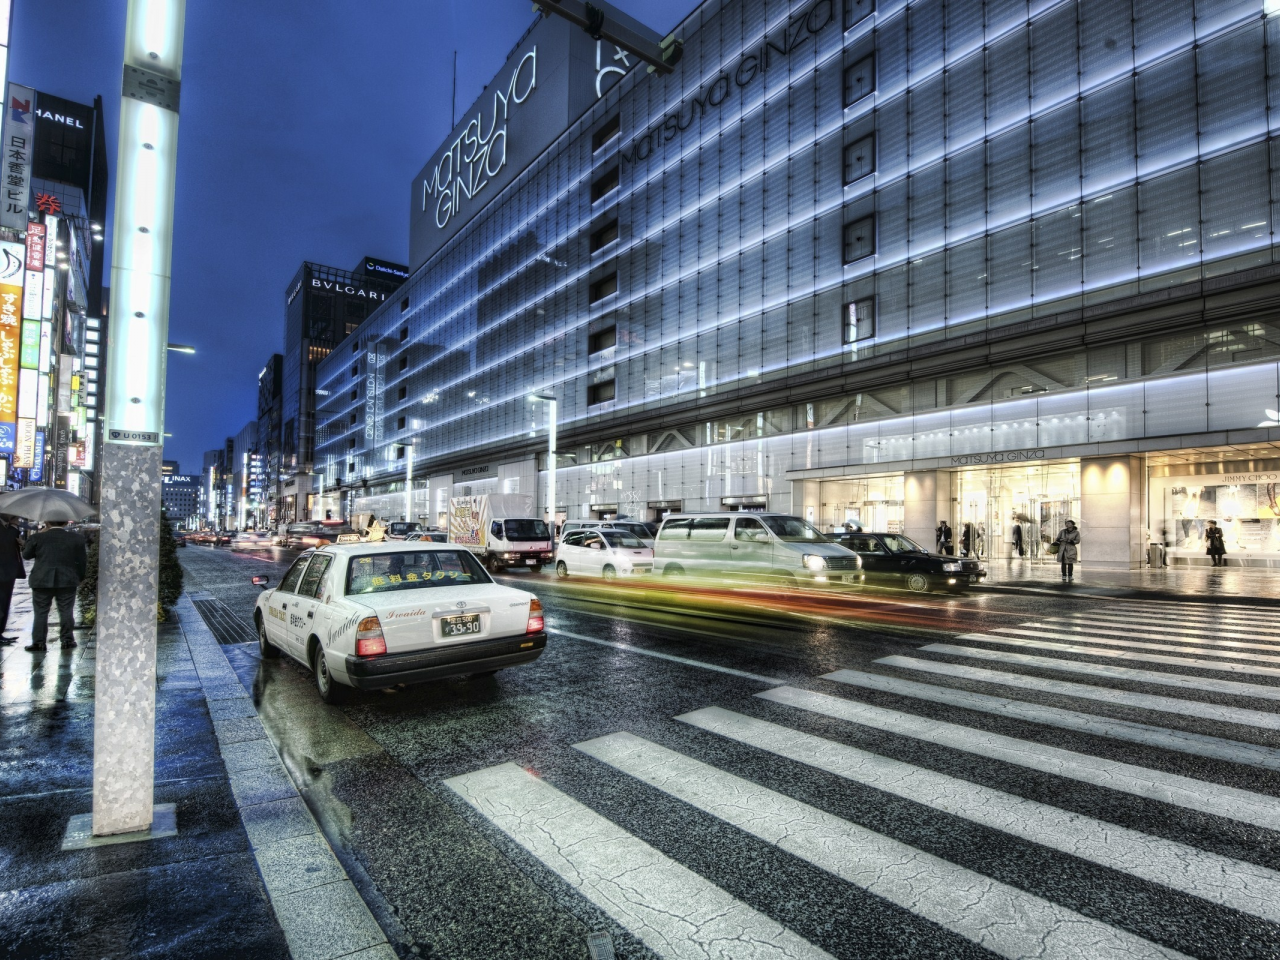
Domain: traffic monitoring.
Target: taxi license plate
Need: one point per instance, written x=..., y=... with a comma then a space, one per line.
x=460, y=626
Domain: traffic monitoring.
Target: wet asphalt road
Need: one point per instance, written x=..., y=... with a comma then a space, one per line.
x=1103, y=783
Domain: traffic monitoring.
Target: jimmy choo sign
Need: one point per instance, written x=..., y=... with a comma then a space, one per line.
x=480, y=151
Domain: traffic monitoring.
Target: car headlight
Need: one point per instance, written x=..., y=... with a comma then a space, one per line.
x=814, y=562
x=951, y=568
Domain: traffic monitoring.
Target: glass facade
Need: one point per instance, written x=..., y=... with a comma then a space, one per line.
x=844, y=233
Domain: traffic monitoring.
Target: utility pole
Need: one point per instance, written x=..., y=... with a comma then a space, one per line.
x=128, y=579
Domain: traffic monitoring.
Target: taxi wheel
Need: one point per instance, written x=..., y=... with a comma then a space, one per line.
x=562, y=571
x=264, y=645
x=918, y=582
x=330, y=690
x=608, y=572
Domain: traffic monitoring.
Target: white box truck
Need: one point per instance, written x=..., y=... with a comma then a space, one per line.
x=501, y=529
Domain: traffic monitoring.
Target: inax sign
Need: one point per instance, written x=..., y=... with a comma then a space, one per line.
x=551, y=79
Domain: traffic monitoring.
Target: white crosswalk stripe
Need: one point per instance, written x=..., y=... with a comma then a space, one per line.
x=1182, y=741
x=1020, y=638
x=1232, y=883
x=1006, y=921
x=1231, y=641
x=1211, y=798
x=1179, y=622
x=674, y=911
x=1116, y=673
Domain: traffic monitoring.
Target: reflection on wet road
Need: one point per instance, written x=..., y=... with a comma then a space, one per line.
x=727, y=773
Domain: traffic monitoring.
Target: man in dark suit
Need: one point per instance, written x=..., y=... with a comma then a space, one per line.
x=11, y=570
x=60, y=563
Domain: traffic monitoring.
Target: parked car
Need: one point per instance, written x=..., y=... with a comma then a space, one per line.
x=765, y=546
x=637, y=528
x=430, y=536
x=606, y=553
x=401, y=529
x=374, y=615
x=899, y=560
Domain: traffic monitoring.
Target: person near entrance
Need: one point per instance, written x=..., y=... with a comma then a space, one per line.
x=1067, y=542
x=60, y=563
x=11, y=570
x=1214, y=545
x=943, y=534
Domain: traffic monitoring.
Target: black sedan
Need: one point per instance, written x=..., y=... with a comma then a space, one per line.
x=891, y=557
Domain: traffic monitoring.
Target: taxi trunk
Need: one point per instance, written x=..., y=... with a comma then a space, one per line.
x=421, y=619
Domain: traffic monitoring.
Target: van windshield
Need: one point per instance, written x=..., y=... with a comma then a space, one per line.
x=525, y=530
x=793, y=530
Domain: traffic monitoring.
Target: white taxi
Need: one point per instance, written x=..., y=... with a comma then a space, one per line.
x=373, y=615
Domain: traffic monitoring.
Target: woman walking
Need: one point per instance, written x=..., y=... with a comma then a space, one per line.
x=1214, y=546
x=1067, y=542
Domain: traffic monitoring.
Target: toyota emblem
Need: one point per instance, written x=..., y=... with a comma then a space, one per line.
x=462, y=603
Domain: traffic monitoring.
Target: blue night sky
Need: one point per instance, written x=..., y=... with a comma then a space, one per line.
x=302, y=124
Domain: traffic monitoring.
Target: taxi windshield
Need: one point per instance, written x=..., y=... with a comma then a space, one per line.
x=412, y=570
x=900, y=544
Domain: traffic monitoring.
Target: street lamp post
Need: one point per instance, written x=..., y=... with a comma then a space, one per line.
x=408, y=484
x=125, y=667
x=551, y=458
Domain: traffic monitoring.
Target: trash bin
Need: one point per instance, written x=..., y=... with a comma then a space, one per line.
x=1155, y=554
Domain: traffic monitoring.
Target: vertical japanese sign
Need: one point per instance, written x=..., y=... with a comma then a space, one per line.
x=61, y=443
x=24, y=454
x=11, y=264
x=35, y=246
x=18, y=143
x=37, y=465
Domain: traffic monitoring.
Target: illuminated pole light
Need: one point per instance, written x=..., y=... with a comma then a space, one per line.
x=142, y=245
x=408, y=483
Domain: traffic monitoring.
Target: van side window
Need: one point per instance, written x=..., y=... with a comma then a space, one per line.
x=709, y=528
x=676, y=530
x=749, y=529
x=495, y=530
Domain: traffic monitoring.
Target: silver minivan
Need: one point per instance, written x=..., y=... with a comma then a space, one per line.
x=767, y=546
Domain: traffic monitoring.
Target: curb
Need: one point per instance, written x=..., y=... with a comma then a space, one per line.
x=320, y=911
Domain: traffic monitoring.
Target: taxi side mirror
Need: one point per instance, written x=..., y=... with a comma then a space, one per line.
x=260, y=582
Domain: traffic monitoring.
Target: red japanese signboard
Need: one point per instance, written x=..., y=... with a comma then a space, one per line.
x=35, y=246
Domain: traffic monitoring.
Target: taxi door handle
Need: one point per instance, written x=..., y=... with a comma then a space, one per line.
x=733, y=546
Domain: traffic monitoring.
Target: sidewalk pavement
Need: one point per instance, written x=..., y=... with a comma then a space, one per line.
x=1254, y=585
x=248, y=874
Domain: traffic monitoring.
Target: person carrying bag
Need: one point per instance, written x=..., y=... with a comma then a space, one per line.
x=1066, y=544
x=1214, y=545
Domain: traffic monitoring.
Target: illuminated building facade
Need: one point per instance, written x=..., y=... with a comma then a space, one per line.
x=996, y=263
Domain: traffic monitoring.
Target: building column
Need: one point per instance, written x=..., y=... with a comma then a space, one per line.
x=926, y=497
x=1111, y=529
x=806, y=499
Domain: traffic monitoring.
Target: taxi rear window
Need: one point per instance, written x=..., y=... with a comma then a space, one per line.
x=412, y=570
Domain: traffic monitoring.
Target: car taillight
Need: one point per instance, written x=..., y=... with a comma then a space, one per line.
x=369, y=639
x=536, y=624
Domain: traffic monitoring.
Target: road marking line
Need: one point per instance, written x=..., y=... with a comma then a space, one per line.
x=1242, y=886
x=1246, y=668
x=1204, y=639
x=674, y=911
x=1233, y=687
x=1201, y=611
x=1190, y=627
x=1005, y=920
x=1191, y=648
x=1199, y=744
x=1243, y=805
x=772, y=681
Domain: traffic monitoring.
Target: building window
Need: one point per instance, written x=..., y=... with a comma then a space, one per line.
x=351, y=467
x=859, y=239
x=400, y=424
x=400, y=453
x=404, y=364
x=355, y=346
x=606, y=132
x=859, y=320
x=855, y=11
x=859, y=80
x=402, y=393
x=354, y=394
x=355, y=370
x=353, y=420
x=351, y=444
x=404, y=304
x=606, y=183
x=602, y=339
x=604, y=236
x=604, y=287
x=860, y=159
x=404, y=333
x=601, y=392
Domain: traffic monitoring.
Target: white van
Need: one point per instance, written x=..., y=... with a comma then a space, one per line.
x=768, y=546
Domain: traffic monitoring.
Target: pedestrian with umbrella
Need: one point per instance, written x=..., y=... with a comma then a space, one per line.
x=11, y=571
x=60, y=558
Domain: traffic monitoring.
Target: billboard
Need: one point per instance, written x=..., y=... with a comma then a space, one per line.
x=35, y=246
x=24, y=453
x=37, y=466
x=11, y=259
x=19, y=148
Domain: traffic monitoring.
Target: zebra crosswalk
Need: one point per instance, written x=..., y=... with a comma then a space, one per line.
x=1117, y=771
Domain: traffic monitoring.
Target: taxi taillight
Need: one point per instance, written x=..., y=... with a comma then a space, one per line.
x=536, y=624
x=369, y=639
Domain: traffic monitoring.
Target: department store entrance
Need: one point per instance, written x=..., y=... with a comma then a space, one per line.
x=1013, y=512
